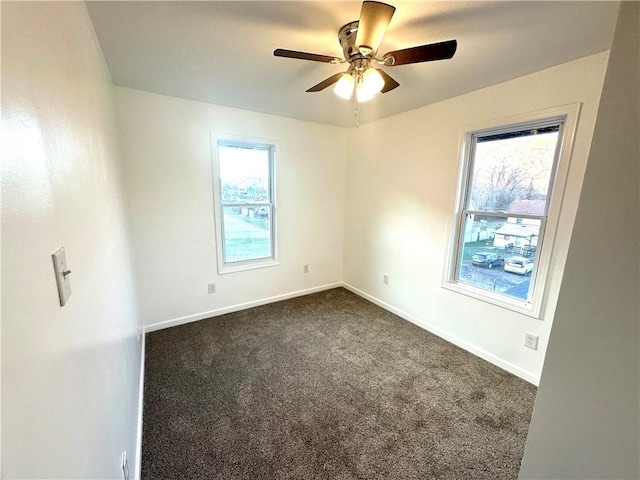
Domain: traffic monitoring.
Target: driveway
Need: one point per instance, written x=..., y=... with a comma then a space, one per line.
x=496, y=279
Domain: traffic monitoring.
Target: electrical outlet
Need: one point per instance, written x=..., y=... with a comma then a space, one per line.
x=125, y=466
x=212, y=288
x=385, y=279
x=531, y=341
x=305, y=268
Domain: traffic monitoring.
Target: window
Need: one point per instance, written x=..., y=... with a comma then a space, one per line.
x=245, y=204
x=511, y=185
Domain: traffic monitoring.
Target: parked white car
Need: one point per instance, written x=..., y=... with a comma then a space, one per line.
x=520, y=265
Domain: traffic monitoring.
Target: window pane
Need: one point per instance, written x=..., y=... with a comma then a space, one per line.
x=511, y=172
x=247, y=233
x=244, y=174
x=497, y=253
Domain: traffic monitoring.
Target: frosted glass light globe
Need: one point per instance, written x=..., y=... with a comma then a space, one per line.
x=344, y=87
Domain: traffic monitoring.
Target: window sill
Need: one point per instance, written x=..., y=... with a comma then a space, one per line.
x=520, y=306
x=241, y=267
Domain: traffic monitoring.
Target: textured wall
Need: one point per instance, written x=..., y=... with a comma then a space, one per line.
x=70, y=374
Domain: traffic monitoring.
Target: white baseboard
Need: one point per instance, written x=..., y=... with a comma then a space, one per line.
x=138, y=468
x=235, y=308
x=479, y=352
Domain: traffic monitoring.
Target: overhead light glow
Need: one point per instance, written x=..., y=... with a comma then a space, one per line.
x=344, y=87
x=372, y=81
x=363, y=95
x=366, y=85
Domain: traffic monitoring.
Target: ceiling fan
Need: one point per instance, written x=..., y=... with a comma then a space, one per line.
x=360, y=41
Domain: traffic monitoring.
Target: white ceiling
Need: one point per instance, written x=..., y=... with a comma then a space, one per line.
x=222, y=52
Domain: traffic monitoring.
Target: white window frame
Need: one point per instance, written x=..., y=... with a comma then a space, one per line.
x=567, y=114
x=241, y=141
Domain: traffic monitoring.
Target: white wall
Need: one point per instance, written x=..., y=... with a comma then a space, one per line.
x=69, y=375
x=401, y=190
x=168, y=170
x=586, y=420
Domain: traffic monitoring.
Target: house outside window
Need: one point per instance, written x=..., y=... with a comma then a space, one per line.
x=244, y=202
x=511, y=184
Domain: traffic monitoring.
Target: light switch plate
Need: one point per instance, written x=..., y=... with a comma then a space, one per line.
x=62, y=275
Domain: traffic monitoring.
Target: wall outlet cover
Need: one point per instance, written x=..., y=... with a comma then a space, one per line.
x=531, y=341
x=125, y=466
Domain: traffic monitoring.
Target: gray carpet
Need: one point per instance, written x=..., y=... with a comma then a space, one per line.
x=326, y=386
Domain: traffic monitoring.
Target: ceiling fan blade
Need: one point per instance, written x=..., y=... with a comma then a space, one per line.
x=422, y=53
x=389, y=83
x=373, y=23
x=325, y=83
x=281, y=52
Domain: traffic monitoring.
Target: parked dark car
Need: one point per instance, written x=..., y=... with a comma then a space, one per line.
x=486, y=259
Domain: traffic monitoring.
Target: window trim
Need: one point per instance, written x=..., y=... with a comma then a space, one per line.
x=218, y=139
x=568, y=114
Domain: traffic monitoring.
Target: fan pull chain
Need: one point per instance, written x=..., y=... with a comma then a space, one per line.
x=356, y=113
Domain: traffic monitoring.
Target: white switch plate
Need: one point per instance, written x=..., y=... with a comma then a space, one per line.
x=62, y=275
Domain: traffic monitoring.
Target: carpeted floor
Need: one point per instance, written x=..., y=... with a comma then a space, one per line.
x=326, y=386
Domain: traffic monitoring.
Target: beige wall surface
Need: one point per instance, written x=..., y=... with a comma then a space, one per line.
x=401, y=191
x=586, y=420
x=70, y=374
x=166, y=144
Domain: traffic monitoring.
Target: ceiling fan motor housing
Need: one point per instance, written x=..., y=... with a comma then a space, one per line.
x=347, y=37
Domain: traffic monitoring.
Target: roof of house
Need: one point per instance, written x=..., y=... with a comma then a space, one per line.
x=518, y=230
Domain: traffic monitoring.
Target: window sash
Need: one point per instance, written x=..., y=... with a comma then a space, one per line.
x=474, y=137
x=566, y=117
x=225, y=265
x=459, y=252
x=491, y=213
x=249, y=204
x=247, y=261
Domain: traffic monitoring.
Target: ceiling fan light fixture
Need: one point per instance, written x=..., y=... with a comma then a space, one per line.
x=363, y=95
x=344, y=87
x=372, y=81
x=360, y=40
